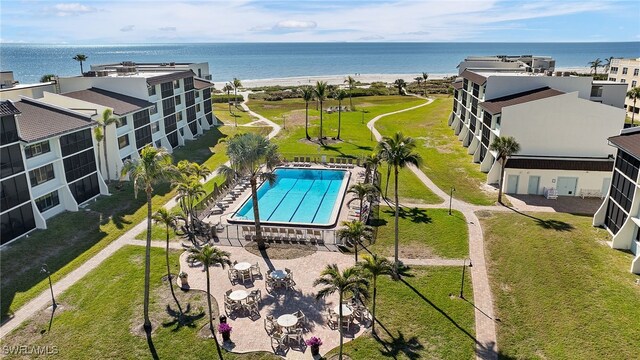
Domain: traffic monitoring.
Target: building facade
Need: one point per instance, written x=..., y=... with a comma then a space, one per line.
x=559, y=122
x=57, y=148
x=526, y=63
x=620, y=211
x=626, y=71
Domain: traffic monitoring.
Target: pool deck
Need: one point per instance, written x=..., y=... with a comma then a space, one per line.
x=232, y=232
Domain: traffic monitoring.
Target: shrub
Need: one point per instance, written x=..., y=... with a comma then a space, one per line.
x=224, y=328
x=313, y=341
x=225, y=99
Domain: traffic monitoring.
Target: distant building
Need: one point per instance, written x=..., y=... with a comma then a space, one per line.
x=626, y=71
x=11, y=89
x=527, y=63
x=620, y=211
x=52, y=166
x=561, y=124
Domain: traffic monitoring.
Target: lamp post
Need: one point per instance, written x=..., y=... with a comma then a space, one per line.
x=451, y=198
x=284, y=123
x=45, y=270
x=362, y=116
x=464, y=266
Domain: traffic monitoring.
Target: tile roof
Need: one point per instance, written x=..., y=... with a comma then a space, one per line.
x=457, y=84
x=156, y=80
x=495, y=106
x=39, y=121
x=121, y=104
x=201, y=84
x=629, y=142
x=474, y=77
x=7, y=108
x=557, y=164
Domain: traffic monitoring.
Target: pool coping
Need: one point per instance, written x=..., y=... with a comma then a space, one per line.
x=335, y=212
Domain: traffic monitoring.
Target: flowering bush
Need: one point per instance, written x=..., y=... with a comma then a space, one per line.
x=314, y=341
x=224, y=328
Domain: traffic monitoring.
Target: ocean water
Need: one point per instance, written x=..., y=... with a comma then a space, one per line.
x=298, y=196
x=274, y=60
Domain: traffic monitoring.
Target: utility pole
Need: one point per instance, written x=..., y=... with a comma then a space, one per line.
x=451, y=198
x=45, y=270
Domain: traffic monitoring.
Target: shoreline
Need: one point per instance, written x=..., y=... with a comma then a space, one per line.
x=364, y=78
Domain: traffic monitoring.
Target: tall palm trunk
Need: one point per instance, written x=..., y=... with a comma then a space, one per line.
x=361, y=201
x=81, y=68
x=500, y=181
x=169, y=274
x=147, y=263
x=339, y=117
x=99, y=158
x=633, y=111
x=104, y=150
x=213, y=334
x=386, y=187
x=256, y=213
x=355, y=248
x=397, y=214
x=373, y=311
x=306, y=120
x=320, y=121
x=340, y=325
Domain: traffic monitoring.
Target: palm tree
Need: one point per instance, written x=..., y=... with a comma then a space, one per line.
x=362, y=190
x=607, y=64
x=354, y=231
x=236, y=84
x=81, y=58
x=107, y=119
x=47, y=77
x=307, y=95
x=375, y=266
x=594, y=65
x=189, y=191
x=418, y=79
x=339, y=95
x=188, y=168
x=153, y=166
x=425, y=77
x=398, y=151
x=321, y=95
x=169, y=220
x=348, y=281
x=400, y=84
x=227, y=87
x=505, y=147
x=247, y=153
x=351, y=83
x=633, y=94
x=210, y=256
x=371, y=163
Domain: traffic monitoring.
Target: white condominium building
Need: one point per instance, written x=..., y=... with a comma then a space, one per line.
x=626, y=71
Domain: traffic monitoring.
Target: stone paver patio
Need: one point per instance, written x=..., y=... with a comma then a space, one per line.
x=250, y=335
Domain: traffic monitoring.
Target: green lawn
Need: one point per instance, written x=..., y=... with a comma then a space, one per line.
x=410, y=188
x=236, y=116
x=73, y=238
x=99, y=312
x=424, y=233
x=354, y=132
x=560, y=291
x=418, y=319
x=446, y=161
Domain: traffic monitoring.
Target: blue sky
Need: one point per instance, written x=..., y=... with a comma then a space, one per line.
x=158, y=21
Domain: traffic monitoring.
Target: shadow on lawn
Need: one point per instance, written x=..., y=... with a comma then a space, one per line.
x=398, y=344
x=552, y=224
x=414, y=214
x=183, y=320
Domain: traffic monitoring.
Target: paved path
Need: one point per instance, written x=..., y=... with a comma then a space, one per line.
x=486, y=345
x=44, y=299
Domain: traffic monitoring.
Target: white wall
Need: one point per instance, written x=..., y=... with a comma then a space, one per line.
x=132, y=86
x=588, y=180
x=503, y=85
x=34, y=92
x=562, y=125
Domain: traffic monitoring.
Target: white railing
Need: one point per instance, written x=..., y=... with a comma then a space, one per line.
x=550, y=193
x=590, y=193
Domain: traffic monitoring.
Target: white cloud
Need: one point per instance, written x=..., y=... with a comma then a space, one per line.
x=371, y=38
x=127, y=28
x=296, y=25
x=69, y=9
x=167, y=28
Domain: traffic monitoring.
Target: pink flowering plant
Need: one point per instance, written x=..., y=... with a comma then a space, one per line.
x=313, y=341
x=224, y=328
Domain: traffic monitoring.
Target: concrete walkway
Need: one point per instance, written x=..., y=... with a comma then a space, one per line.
x=486, y=341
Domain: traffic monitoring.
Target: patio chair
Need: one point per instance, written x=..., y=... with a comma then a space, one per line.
x=246, y=274
x=296, y=336
x=270, y=324
x=299, y=234
x=253, y=308
x=308, y=160
x=291, y=234
x=233, y=276
x=256, y=295
x=255, y=269
x=331, y=163
x=331, y=318
x=346, y=322
x=302, y=319
x=283, y=233
x=270, y=284
x=230, y=306
x=279, y=340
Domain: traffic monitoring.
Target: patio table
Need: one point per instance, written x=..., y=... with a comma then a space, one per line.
x=242, y=266
x=346, y=310
x=278, y=274
x=238, y=295
x=287, y=320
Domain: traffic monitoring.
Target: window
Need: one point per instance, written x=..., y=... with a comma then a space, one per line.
x=169, y=124
x=11, y=160
x=123, y=141
x=197, y=94
x=179, y=116
x=152, y=90
x=41, y=175
x=14, y=192
x=635, y=72
x=140, y=118
x=614, y=70
x=198, y=107
x=17, y=222
x=37, y=149
x=143, y=136
x=176, y=84
x=178, y=100
x=173, y=139
x=166, y=89
x=85, y=189
x=153, y=109
x=8, y=130
x=168, y=106
x=612, y=79
x=48, y=201
x=190, y=98
x=79, y=165
x=627, y=164
x=191, y=113
x=122, y=122
x=188, y=83
x=634, y=83
x=615, y=217
x=596, y=91
x=76, y=141
x=624, y=71
x=623, y=81
x=155, y=127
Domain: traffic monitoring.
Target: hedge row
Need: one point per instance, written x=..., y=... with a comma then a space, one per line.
x=225, y=99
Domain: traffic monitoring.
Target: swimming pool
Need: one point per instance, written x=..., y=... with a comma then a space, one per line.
x=298, y=197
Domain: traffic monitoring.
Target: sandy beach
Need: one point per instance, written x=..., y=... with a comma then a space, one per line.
x=363, y=78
